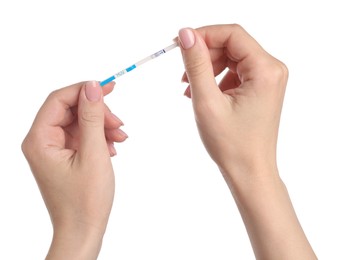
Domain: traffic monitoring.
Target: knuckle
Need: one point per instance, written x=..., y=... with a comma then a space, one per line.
x=280, y=72
x=238, y=30
x=53, y=95
x=279, y=67
x=28, y=145
x=92, y=119
x=197, y=66
x=24, y=146
x=284, y=70
x=237, y=27
x=274, y=72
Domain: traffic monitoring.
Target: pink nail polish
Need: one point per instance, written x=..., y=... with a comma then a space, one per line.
x=113, y=150
x=187, y=38
x=188, y=92
x=122, y=133
x=93, y=91
x=117, y=119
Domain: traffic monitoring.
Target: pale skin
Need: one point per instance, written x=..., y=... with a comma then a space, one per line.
x=70, y=144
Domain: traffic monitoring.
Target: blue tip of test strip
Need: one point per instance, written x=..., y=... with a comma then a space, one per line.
x=131, y=68
x=102, y=83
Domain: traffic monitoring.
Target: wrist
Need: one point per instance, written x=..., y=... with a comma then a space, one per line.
x=265, y=207
x=75, y=242
x=240, y=174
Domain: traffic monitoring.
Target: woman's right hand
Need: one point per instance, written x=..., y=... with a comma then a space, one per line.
x=238, y=118
x=238, y=121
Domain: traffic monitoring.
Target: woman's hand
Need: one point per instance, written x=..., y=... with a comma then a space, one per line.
x=68, y=149
x=238, y=118
x=238, y=121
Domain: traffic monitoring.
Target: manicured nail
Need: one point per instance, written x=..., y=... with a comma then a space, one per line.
x=113, y=150
x=187, y=38
x=184, y=78
x=188, y=92
x=117, y=119
x=122, y=133
x=93, y=91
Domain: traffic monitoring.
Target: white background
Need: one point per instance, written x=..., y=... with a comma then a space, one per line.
x=170, y=201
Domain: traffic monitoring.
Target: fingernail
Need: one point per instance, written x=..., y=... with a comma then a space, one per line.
x=117, y=119
x=187, y=38
x=93, y=91
x=113, y=150
x=188, y=92
x=122, y=133
x=184, y=78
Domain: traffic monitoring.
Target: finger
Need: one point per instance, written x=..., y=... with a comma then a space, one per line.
x=91, y=121
x=198, y=65
x=115, y=135
x=184, y=78
x=108, y=88
x=56, y=109
x=111, y=120
x=187, y=92
x=237, y=42
x=111, y=149
x=239, y=46
x=229, y=81
x=217, y=56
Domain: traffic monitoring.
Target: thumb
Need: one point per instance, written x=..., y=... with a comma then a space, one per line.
x=198, y=65
x=91, y=120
